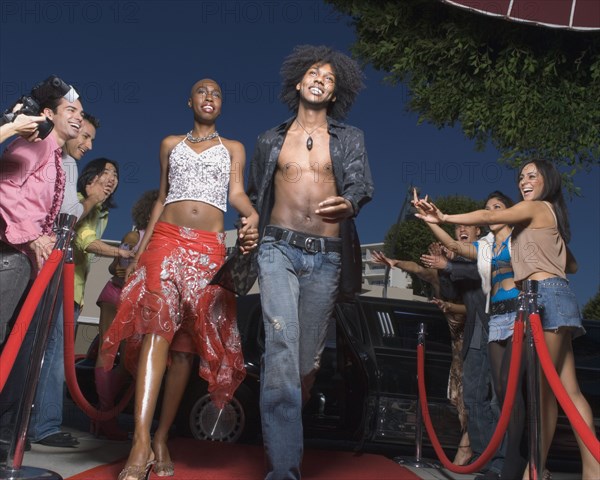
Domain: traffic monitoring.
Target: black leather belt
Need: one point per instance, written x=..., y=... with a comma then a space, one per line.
x=310, y=243
x=504, y=306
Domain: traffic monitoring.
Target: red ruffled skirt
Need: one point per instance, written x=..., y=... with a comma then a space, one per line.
x=169, y=295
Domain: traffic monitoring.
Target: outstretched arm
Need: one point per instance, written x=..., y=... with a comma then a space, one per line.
x=428, y=275
x=521, y=213
x=464, y=249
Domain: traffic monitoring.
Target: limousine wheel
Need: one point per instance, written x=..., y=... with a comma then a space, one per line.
x=238, y=421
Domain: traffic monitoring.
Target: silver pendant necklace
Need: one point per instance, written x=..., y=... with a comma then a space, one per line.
x=193, y=139
x=309, y=140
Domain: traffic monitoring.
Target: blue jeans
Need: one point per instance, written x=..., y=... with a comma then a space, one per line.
x=298, y=292
x=482, y=409
x=47, y=414
x=15, y=271
x=14, y=286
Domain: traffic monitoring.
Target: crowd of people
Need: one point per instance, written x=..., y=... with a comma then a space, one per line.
x=161, y=308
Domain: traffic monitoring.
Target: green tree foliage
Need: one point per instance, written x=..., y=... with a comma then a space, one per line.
x=529, y=91
x=591, y=309
x=409, y=239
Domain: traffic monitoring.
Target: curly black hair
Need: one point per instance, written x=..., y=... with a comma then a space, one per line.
x=348, y=77
x=142, y=208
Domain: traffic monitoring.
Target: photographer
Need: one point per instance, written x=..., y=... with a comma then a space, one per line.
x=47, y=414
x=25, y=116
x=32, y=182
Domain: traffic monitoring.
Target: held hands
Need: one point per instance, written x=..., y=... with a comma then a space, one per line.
x=335, y=209
x=42, y=248
x=248, y=233
x=426, y=210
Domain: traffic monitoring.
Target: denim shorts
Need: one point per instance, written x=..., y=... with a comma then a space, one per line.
x=558, y=306
x=501, y=326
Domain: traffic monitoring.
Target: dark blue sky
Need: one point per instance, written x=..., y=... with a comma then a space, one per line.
x=135, y=61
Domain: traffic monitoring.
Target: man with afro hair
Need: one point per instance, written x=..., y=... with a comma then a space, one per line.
x=309, y=178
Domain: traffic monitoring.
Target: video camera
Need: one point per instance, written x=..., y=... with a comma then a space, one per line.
x=52, y=87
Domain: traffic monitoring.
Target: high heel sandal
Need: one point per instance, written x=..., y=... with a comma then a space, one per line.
x=161, y=468
x=136, y=471
x=164, y=469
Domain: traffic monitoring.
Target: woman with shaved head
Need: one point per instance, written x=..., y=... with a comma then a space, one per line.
x=168, y=312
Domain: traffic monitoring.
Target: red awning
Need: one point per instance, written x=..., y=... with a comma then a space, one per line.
x=569, y=14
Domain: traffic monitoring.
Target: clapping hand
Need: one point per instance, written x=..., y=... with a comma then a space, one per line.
x=97, y=190
x=435, y=258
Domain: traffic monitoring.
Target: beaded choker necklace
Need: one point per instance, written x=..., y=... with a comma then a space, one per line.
x=193, y=139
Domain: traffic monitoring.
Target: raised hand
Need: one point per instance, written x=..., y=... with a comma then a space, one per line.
x=97, y=191
x=426, y=209
x=435, y=248
x=380, y=258
x=438, y=262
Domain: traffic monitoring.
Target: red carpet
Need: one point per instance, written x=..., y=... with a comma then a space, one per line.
x=198, y=460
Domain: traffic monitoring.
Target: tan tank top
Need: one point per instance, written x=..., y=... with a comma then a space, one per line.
x=538, y=250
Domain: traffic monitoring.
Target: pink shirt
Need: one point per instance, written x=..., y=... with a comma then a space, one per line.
x=29, y=190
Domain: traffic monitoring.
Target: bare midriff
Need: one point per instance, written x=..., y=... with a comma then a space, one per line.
x=302, y=181
x=193, y=214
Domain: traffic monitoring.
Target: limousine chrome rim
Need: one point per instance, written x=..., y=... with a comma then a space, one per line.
x=207, y=424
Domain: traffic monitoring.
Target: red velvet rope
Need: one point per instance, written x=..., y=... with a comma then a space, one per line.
x=69, y=343
x=511, y=388
x=19, y=330
x=578, y=423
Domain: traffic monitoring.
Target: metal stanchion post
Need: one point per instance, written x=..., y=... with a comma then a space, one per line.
x=529, y=305
x=43, y=315
x=418, y=461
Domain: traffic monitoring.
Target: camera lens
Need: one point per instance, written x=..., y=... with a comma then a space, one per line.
x=45, y=128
